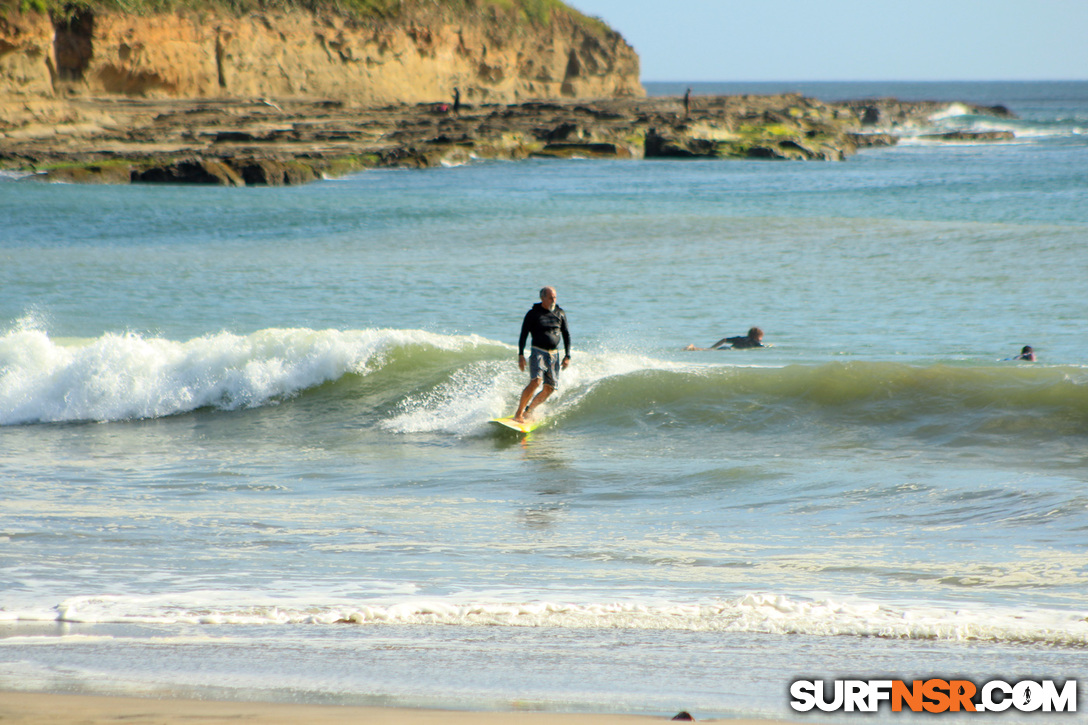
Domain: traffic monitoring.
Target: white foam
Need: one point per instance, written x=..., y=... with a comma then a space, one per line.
x=131, y=376
x=489, y=390
x=759, y=612
x=958, y=118
x=950, y=111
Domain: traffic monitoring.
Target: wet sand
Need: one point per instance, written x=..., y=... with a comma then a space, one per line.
x=18, y=708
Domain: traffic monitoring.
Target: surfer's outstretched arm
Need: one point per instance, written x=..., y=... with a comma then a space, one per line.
x=715, y=346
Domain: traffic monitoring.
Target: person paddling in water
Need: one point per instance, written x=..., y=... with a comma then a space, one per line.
x=546, y=324
x=754, y=338
x=1026, y=354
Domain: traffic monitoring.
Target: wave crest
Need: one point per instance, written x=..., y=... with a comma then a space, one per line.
x=130, y=376
x=412, y=381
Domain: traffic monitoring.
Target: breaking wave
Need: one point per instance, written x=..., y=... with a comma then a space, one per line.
x=411, y=381
x=131, y=376
x=757, y=612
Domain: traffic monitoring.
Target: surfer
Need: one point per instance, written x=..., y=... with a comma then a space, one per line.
x=754, y=338
x=546, y=324
x=1026, y=354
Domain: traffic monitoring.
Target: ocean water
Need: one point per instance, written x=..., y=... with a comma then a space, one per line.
x=244, y=449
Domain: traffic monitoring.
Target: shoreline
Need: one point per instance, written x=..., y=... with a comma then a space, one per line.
x=37, y=708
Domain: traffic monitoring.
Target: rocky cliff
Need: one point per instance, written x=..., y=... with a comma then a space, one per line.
x=490, y=54
x=290, y=96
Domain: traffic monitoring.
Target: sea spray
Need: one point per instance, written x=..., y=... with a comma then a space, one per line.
x=131, y=376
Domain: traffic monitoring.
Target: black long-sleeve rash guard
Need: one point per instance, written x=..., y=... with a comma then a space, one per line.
x=547, y=327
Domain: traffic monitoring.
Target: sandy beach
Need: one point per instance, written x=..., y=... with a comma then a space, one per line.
x=20, y=708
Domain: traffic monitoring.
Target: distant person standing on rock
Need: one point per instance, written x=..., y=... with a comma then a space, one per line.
x=687, y=103
x=456, y=100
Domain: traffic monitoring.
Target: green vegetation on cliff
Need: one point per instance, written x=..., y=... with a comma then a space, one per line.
x=535, y=12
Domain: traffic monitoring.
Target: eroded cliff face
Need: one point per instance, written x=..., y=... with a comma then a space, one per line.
x=26, y=55
x=298, y=55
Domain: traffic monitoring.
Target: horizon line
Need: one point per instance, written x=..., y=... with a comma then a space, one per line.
x=884, y=80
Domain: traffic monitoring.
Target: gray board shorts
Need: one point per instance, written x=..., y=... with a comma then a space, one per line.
x=544, y=364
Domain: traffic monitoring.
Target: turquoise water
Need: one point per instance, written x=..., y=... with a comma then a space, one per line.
x=244, y=448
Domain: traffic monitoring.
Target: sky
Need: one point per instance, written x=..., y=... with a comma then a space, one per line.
x=842, y=40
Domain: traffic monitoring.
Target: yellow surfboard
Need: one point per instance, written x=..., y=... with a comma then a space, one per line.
x=527, y=427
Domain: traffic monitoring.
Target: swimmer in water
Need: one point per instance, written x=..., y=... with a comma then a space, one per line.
x=1026, y=354
x=754, y=338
